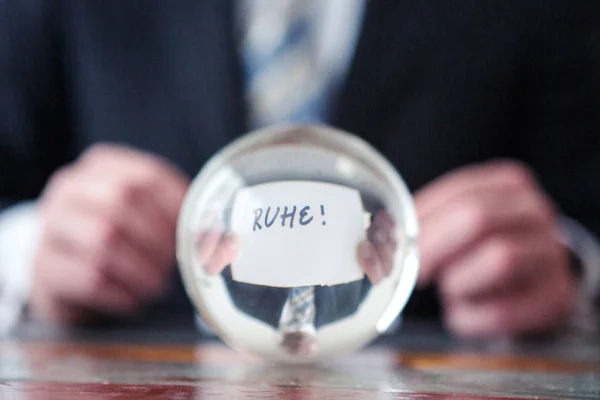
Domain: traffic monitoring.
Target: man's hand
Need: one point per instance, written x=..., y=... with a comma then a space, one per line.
x=488, y=241
x=216, y=250
x=376, y=254
x=108, y=240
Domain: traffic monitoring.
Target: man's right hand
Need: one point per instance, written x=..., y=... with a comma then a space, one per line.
x=108, y=239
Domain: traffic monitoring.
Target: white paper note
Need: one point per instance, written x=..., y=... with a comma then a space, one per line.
x=298, y=233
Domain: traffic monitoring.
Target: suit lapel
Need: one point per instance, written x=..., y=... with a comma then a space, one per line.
x=357, y=97
x=206, y=74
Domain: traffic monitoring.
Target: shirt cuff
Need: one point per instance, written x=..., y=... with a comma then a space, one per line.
x=584, y=245
x=19, y=236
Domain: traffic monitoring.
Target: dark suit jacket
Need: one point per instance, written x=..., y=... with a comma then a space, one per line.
x=434, y=85
x=332, y=303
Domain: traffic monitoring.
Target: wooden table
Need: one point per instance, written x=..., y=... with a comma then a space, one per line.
x=420, y=363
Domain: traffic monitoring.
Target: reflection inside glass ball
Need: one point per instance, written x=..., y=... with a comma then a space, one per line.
x=298, y=243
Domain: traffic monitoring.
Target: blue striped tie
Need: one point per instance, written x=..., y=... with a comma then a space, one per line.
x=283, y=83
x=301, y=301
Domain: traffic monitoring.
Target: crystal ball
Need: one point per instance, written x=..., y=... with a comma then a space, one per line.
x=298, y=243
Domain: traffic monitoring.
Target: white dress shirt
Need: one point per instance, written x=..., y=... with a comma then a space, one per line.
x=19, y=234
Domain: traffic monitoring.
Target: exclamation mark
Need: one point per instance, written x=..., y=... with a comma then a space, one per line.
x=323, y=214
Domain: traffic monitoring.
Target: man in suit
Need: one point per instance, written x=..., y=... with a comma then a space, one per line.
x=441, y=89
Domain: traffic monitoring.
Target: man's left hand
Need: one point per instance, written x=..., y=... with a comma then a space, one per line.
x=488, y=239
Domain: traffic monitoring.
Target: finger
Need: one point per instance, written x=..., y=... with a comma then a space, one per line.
x=141, y=224
x=67, y=281
x=370, y=262
x=45, y=307
x=467, y=219
x=542, y=307
x=127, y=267
x=148, y=212
x=113, y=299
x=473, y=177
x=382, y=235
x=383, y=229
x=500, y=264
x=224, y=254
x=161, y=180
x=385, y=221
x=130, y=209
x=386, y=253
x=206, y=245
x=100, y=245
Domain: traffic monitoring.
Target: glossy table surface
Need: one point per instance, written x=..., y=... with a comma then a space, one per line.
x=173, y=362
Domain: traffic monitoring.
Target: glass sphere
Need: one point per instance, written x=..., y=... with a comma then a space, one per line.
x=298, y=243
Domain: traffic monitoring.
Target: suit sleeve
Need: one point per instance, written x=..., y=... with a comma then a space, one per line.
x=32, y=106
x=560, y=109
